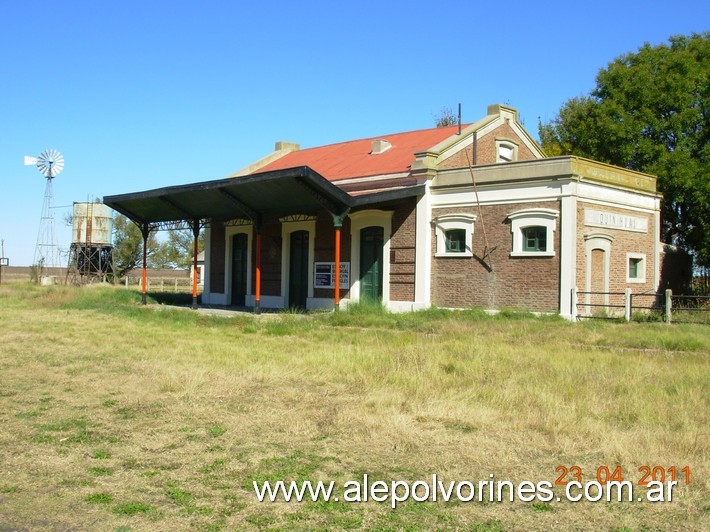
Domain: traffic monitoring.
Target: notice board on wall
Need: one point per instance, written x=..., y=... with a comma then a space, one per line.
x=324, y=273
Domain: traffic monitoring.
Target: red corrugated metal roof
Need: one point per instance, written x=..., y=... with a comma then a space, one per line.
x=354, y=158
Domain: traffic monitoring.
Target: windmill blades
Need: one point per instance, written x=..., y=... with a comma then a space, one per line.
x=50, y=163
x=58, y=163
x=45, y=163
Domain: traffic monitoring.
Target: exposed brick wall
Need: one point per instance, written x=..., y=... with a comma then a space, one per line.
x=530, y=283
x=458, y=160
x=486, y=146
x=217, y=252
x=597, y=279
x=270, y=258
x=402, y=251
x=624, y=242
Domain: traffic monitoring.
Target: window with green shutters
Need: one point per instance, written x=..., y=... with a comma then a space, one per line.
x=454, y=235
x=533, y=232
x=456, y=241
x=535, y=238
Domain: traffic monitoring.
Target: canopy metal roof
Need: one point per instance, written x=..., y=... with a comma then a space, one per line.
x=297, y=190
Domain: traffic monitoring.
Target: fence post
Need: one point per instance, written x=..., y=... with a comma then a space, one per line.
x=669, y=305
x=162, y=285
x=176, y=283
x=627, y=304
x=126, y=281
x=573, y=304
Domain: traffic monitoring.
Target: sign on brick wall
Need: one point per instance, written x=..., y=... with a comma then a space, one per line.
x=325, y=275
x=613, y=220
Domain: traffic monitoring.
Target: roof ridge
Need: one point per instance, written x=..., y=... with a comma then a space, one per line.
x=378, y=137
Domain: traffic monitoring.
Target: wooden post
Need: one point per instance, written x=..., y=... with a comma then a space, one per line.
x=669, y=305
x=573, y=303
x=627, y=304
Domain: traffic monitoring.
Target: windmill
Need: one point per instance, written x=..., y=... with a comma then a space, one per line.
x=50, y=164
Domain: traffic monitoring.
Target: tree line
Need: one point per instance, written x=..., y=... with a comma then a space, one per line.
x=175, y=252
x=650, y=112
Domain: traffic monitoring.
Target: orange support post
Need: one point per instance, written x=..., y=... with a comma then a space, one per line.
x=337, y=225
x=196, y=234
x=257, y=292
x=337, y=268
x=196, y=231
x=144, y=277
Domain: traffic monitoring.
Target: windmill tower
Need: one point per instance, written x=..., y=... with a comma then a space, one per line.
x=50, y=164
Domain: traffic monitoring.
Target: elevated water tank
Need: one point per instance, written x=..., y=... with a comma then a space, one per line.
x=92, y=223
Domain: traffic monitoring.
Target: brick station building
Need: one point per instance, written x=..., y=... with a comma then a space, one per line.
x=451, y=217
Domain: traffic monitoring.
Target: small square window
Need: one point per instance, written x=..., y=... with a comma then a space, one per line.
x=634, y=267
x=456, y=241
x=535, y=238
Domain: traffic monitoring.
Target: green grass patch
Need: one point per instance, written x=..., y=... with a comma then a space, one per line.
x=216, y=430
x=132, y=508
x=541, y=507
x=101, y=471
x=99, y=498
x=101, y=454
x=178, y=495
x=126, y=413
x=219, y=464
x=70, y=431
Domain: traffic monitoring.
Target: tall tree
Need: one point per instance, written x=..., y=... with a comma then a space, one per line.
x=128, y=245
x=446, y=117
x=177, y=250
x=173, y=252
x=650, y=111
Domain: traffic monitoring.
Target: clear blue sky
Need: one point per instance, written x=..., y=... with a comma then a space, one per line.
x=145, y=94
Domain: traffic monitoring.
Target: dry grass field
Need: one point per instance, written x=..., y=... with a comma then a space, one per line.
x=121, y=417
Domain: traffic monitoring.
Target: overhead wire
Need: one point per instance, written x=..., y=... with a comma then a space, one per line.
x=487, y=250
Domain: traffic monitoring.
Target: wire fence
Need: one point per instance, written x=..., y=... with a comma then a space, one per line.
x=644, y=306
x=648, y=306
x=176, y=285
x=601, y=305
x=158, y=279
x=691, y=309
